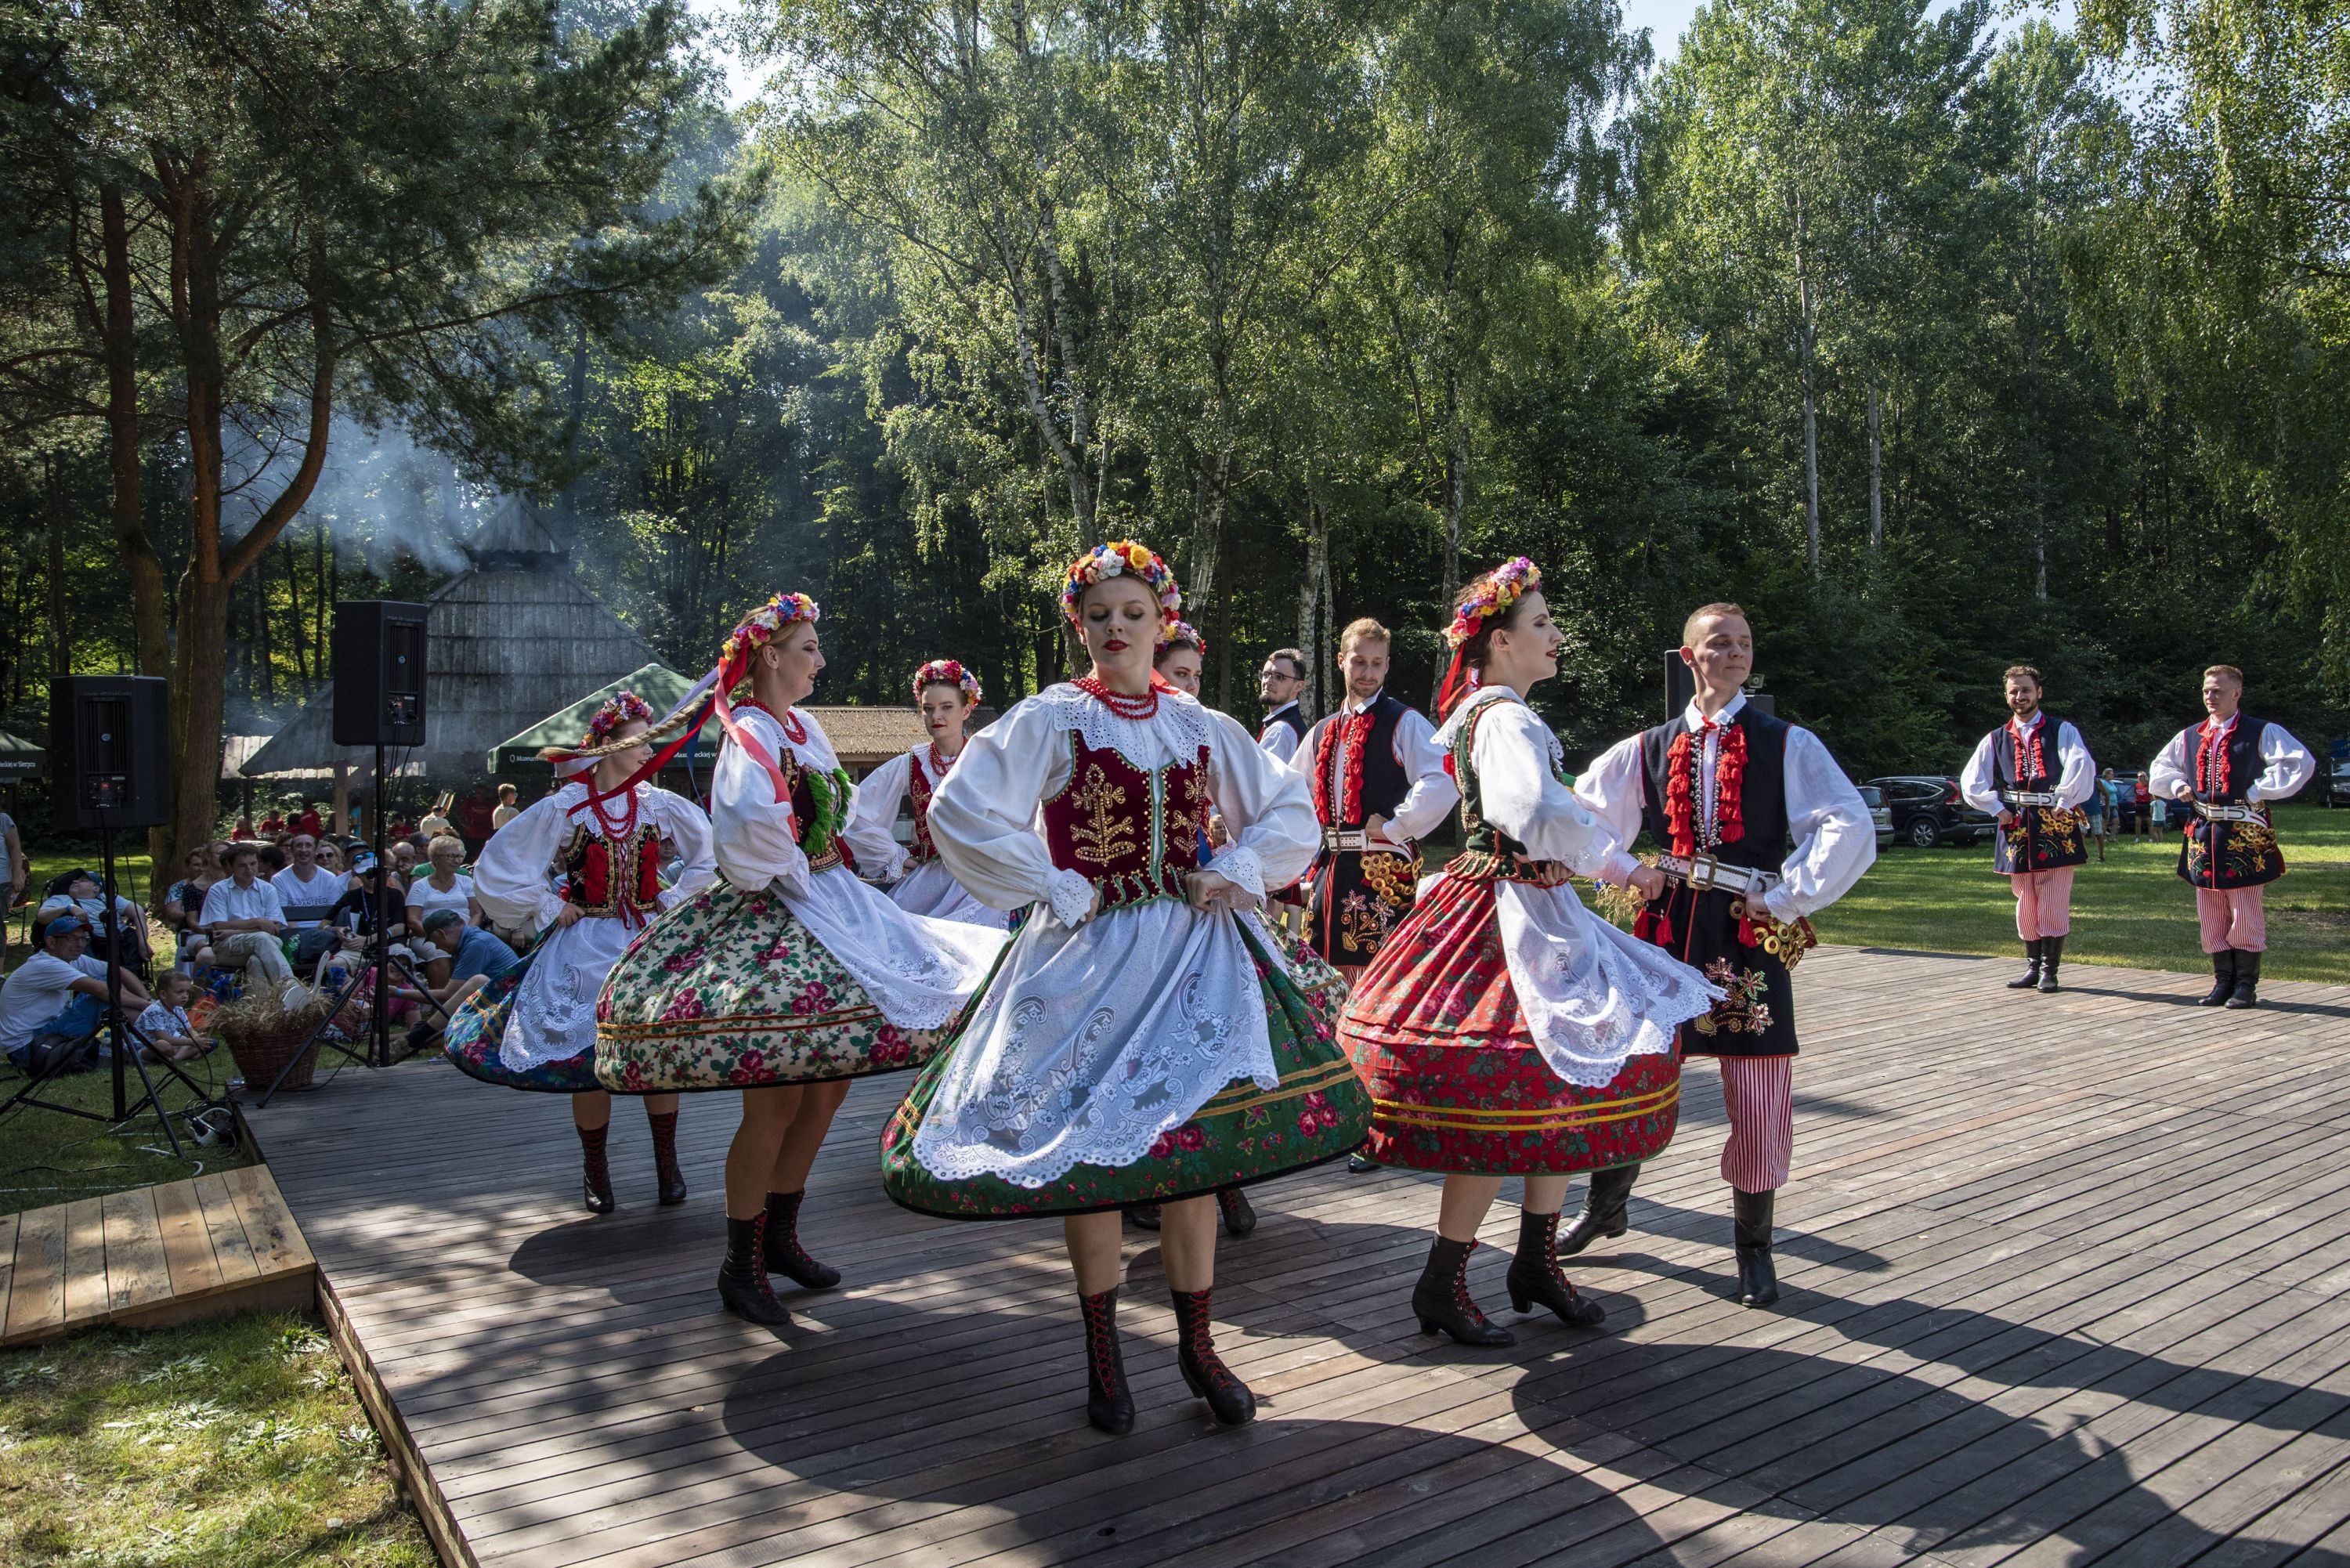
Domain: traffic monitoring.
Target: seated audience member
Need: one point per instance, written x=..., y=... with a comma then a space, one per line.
x=474, y=958
x=164, y=1025
x=77, y=893
x=307, y=820
x=443, y=888
x=55, y=1002
x=183, y=906
x=243, y=919
x=306, y=884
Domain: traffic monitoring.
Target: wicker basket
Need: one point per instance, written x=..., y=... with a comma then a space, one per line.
x=262, y=1053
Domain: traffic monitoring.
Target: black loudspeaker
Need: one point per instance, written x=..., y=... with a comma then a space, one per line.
x=110, y=750
x=378, y=673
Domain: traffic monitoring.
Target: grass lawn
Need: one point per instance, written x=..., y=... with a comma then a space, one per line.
x=237, y=1443
x=2132, y=909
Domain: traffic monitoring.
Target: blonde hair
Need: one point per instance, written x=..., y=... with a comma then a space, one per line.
x=1362, y=629
x=451, y=840
x=1707, y=612
x=2229, y=670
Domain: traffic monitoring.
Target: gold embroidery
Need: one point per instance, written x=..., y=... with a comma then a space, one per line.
x=1109, y=837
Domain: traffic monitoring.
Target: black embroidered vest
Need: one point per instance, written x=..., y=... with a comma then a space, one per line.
x=1385, y=783
x=1763, y=793
x=2014, y=770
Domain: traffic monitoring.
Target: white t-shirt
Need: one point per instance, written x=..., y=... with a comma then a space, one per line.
x=7, y=822
x=424, y=897
x=323, y=887
x=37, y=992
x=126, y=913
x=227, y=901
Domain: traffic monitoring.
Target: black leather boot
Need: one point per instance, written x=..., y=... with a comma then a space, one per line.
x=1240, y=1216
x=2030, y=976
x=743, y=1277
x=1145, y=1215
x=665, y=1170
x=1229, y=1399
x=1442, y=1302
x=1603, y=1203
x=785, y=1253
x=1109, y=1404
x=2247, y=992
x=1758, y=1282
x=1534, y=1279
x=2052, y=954
x=2224, y=979
x=595, y=1170
x=1358, y=1162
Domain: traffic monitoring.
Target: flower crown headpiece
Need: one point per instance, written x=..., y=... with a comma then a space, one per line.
x=1172, y=631
x=1495, y=593
x=1120, y=557
x=946, y=672
x=759, y=626
x=623, y=708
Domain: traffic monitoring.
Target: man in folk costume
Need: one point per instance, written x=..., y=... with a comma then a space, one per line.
x=2033, y=773
x=2226, y=771
x=1278, y=686
x=1379, y=785
x=1724, y=789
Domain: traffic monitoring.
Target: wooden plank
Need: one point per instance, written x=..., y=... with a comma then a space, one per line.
x=85, y=1261
x=277, y=1243
x=187, y=1243
x=136, y=1272
x=8, y=1223
x=224, y=1228
x=37, y=1295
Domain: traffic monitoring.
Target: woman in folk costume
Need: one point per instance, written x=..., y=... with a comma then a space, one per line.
x=1141, y=1042
x=582, y=868
x=1504, y=1029
x=788, y=976
x=947, y=694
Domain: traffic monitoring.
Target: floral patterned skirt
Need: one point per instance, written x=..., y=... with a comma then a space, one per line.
x=479, y=1028
x=1244, y=1134
x=1456, y=1083
x=731, y=990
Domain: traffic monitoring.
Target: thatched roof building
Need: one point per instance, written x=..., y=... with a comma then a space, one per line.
x=517, y=636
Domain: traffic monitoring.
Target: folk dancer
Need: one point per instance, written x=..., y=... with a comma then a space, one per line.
x=947, y=695
x=1141, y=1042
x=1378, y=786
x=787, y=976
x=1724, y=789
x=1504, y=1030
x=582, y=868
x=2226, y=771
x=1279, y=684
x=2034, y=775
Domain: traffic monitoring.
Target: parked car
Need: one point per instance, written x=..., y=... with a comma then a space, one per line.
x=1879, y=813
x=1927, y=810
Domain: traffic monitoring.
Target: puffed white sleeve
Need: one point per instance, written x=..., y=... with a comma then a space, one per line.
x=982, y=818
x=1432, y=792
x=751, y=830
x=2288, y=765
x=1978, y=780
x=687, y=829
x=1268, y=809
x=1835, y=840
x=2168, y=774
x=2079, y=780
x=879, y=857
x=512, y=877
x=1518, y=794
x=1611, y=790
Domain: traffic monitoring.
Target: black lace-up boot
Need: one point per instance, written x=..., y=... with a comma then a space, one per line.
x=1534, y=1279
x=1442, y=1302
x=1109, y=1405
x=785, y=1254
x=1240, y=1215
x=743, y=1278
x=595, y=1170
x=665, y=1170
x=1229, y=1399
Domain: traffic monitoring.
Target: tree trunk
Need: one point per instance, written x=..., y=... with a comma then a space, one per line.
x=1310, y=605
x=60, y=634
x=1456, y=481
x=1806, y=341
x=1876, y=472
x=150, y=608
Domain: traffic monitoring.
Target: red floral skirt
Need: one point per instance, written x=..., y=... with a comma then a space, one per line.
x=1457, y=1084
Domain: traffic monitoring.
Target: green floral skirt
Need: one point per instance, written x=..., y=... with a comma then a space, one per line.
x=1245, y=1134
x=731, y=990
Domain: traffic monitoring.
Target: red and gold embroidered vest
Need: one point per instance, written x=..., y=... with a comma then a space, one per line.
x=620, y=878
x=1133, y=832
x=918, y=790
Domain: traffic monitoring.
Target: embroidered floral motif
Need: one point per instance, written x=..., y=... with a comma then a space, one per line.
x=1106, y=835
x=1743, y=1011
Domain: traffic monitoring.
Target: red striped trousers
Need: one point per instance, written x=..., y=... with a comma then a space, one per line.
x=1759, y=1092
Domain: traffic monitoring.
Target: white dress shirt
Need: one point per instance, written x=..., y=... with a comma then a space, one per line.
x=224, y=901
x=1431, y=794
x=2076, y=780
x=1835, y=840
x=2285, y=764
x=1278, y=741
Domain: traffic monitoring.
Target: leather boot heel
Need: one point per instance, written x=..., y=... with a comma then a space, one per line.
x=785, y=1253
x=1204, y=1372
x=1441, y=1301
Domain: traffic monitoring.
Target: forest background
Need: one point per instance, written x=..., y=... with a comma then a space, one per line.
x=1942, y=339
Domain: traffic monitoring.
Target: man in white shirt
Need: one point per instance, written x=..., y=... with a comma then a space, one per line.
x=57, y=999
x=306, y=884
x=2226, y=771
x=242, y=918
x=1379, y=786
x=1724, y=789
x=1278, y=684
x=2033, y=773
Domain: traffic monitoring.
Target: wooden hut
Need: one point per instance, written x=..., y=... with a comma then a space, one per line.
x=514, y=636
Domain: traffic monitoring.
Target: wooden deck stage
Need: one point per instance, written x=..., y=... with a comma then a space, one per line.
x=2064, y=1285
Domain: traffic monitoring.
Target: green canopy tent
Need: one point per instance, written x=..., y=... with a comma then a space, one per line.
x=657, y=683
x=20, y=759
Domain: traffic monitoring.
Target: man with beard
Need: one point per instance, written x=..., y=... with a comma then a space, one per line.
x=2033, y=773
